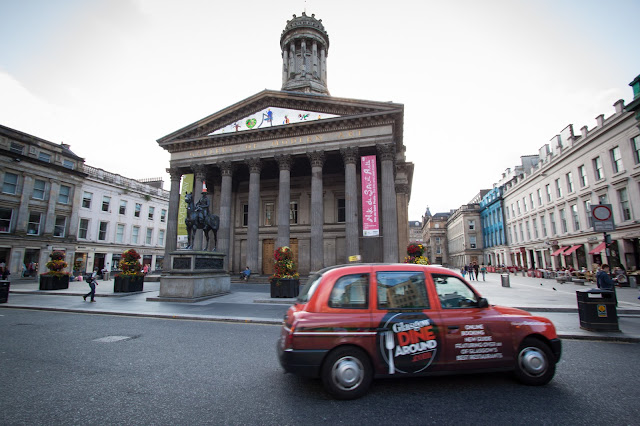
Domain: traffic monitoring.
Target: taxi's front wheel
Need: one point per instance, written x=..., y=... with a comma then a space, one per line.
x=347, y=373
x=535, y=363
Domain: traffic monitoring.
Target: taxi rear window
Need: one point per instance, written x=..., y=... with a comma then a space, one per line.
x=351, y=292
x=309, y=288
x=402, y=290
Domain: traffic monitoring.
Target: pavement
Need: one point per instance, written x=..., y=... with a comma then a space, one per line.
x=251, y=302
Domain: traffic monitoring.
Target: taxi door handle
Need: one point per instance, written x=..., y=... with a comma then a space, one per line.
x=453, y=328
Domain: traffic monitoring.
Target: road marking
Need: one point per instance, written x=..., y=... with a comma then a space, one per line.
x=111, y=339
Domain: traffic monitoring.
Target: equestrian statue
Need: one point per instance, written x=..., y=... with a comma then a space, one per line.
x=198, y=217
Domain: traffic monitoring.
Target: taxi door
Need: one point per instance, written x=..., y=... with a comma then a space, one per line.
x=473, y=337
x=407, y=340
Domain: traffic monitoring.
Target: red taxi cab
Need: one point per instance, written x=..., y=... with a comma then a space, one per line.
x=353, y=323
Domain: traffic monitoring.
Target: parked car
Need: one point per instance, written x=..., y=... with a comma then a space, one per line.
x=353, y=323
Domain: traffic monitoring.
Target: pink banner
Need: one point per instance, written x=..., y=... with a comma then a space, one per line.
x=369, y=176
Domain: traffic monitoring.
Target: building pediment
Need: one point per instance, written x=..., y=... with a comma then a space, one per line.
x=278, y=114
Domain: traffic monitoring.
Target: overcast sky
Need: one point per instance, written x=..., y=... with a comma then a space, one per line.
x=482, y=82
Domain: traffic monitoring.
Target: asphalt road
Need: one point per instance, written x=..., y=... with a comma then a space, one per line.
x=54, y=369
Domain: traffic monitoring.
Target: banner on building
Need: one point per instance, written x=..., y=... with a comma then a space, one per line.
x=369, y=177
x=187, y=186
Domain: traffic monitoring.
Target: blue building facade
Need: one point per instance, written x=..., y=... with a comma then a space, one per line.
x=492, y=220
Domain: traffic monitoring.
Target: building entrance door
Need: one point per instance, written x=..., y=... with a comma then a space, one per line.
x=268, y=247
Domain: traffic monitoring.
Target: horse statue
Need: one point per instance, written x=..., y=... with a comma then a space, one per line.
x=200, y=219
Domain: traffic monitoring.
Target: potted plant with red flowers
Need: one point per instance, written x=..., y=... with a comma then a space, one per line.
x=56, y=278
x=131, y=278
x=415, y=254
x=285, y=282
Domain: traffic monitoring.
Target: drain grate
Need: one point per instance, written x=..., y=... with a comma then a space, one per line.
x=111, y=339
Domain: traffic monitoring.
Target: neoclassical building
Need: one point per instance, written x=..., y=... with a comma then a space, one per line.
x=326, y=176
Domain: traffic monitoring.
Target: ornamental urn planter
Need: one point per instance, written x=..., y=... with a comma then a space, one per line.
x=128, y=283
x=285, y=287
x=53, y=282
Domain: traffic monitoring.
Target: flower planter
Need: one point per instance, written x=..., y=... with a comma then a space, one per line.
x=285, y=287
x=128, y=283
x=53, y=282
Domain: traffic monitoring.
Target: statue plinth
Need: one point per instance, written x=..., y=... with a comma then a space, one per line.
x=193, y=276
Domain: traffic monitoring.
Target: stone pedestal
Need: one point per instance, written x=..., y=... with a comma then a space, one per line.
x=193, y=276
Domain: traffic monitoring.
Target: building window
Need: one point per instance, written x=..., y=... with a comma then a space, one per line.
x=558, y=189
x=43, y=156
x=293, y=212
x=163, y=215
x=472, y=241
x=64, y=195
x=535, y=228
x=552, y=220
x=521, y=232
x=576, y=218
x=603, y=199
x=106, y=201
x=5, y=219
x=161, y=237
x=268, y=214
x=526, y=224
x=438, y=250
x=38, y=189
x=597, y=168
x=472, y=225
x=531, y=199
x=138, y=209
x=68, y=164
x=16, y=148
x=86, y=200
x=135, y=232
x=151, y=212
x=563, y=221
x=120, y=233
x=511, y=235
x=102, y=231
x=10, y=184
x=587, y=209
x=543, y=225
x=60, y=227
x=342, y=210
x=616, y=160
x=149, y=235
x=569, y=183
x=123, y=207
x=518, y=204
x=33, y=227
x=625, y=209
x=524, y=204
x=513, y=211
x=635, y=147
x=582, y=172
x=539, y=197
x=548, y=188
x=84, y=228
x=245, y=215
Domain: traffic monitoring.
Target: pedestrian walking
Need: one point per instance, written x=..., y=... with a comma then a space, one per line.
x=483, y=270
x=470, y=271
x=463, y=271
x=475, y=269
x=92, y=284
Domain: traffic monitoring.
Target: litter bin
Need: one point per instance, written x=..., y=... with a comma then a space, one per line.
x=633, y=281
x=505, y=280
x=4, y=291
x=597, y=310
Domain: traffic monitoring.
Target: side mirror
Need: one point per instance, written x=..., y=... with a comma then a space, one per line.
x=483, y=303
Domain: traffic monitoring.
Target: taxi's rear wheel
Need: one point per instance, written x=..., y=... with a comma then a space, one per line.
x=347, y=373
x=535, y=363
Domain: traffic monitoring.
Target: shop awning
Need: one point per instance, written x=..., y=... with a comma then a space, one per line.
x=598, y=248
x=559, y=251
x=572, y=249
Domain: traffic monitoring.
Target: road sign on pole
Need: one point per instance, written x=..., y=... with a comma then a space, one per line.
x=602, y=218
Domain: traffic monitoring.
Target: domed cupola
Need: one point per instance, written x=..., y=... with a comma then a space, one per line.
x=305, y=47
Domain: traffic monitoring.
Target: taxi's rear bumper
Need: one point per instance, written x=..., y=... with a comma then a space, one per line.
x=305, y=363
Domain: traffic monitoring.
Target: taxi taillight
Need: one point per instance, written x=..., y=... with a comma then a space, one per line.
x=288, y=340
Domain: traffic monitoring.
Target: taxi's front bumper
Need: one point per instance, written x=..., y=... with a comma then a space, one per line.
x=556, y=348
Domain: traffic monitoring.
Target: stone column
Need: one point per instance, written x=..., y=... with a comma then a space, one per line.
x=23, y=210
x=171, y=240
x=388, y=201
x=293, y=66
x=285, y=65
x=75, y=218
x=50, y=218
x=284, y=200
x=402, y=206
x=199, y=178
x=304, y=65
x=350, y=157
x=317, y=210
x=314, y=57
x=255, y=166
x=226, y=170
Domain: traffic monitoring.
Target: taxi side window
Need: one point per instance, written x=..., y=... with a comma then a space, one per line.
x=453, y=292
x=402, y=290
x=350, y=291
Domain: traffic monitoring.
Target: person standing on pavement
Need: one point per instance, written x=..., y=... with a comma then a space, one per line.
x=604, y=280
x=92, y=285
x=475, y=269
x=483, y=269
x=470, y=271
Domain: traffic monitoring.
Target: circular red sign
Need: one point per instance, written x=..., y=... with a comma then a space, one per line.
x=602, y=212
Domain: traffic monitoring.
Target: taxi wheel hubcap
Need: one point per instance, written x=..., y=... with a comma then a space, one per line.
x=533, y=361
x=348, y=373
